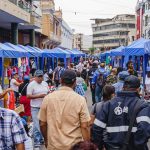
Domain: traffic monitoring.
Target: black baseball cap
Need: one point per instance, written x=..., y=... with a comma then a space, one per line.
x=132, y=82
x=68, y=76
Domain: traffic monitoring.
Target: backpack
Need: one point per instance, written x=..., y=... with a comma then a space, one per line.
x=58, y=73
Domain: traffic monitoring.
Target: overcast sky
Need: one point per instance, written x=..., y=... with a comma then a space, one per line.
x=77, y=13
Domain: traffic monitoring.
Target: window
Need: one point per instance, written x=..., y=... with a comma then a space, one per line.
x=146, y=6
x=146, y=20
x=109, y=41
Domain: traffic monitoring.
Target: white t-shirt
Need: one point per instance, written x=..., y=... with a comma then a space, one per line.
x=79, y=67
x=13, y=86
x=1, y=90
x=46, y=77
x=35, y=88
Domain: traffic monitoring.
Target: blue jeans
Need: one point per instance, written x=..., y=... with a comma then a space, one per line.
x=98, y=93
x=1, y=103
x=38, y=138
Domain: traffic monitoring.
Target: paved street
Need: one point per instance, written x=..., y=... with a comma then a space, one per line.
x=89, y=98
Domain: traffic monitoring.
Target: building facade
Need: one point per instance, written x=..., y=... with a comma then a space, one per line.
x=143, y=12
x=87, y=42
x=139, y=18
x=18, y=20
x=82, y=42
x=66, y=36
x=114, y=32
x=78, y=41
x=51, y=24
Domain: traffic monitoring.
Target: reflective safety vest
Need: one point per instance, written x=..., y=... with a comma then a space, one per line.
x=114, y=118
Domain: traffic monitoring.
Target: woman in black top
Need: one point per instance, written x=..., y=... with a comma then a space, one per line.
x=23, y=98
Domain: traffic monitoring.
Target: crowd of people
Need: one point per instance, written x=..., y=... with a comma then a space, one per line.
x=56, y=113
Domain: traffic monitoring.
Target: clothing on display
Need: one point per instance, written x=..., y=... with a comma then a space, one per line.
x=9, y=100
x=116, y=63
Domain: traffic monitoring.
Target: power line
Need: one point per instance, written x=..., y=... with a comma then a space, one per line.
x=87, y=13
x=93, y=13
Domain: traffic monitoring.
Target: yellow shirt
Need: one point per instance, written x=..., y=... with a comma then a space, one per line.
x=64, y=110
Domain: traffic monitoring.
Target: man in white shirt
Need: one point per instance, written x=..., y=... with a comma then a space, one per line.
x=80, y=67
x=14, y=84
x=36, y=91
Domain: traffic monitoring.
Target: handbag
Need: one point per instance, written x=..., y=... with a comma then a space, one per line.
x=128, y=135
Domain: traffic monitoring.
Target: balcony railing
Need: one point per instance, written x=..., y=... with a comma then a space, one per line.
x=55, y=37
x=22, y=4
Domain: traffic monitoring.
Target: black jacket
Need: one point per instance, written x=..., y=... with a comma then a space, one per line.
x=115, y=116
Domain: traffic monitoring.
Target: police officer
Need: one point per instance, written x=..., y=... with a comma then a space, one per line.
x=90, y=75
x=115, y=115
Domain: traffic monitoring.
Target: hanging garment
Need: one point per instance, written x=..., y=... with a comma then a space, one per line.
x=19, y=62
x=11, y=100
x=6, y=62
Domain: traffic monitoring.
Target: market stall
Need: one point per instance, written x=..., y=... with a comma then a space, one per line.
x=139, y=50
x=57, y=54
x=118, y=56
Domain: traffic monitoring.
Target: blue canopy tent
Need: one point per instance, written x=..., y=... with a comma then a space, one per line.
x=34, y=49
x=118, y=51
x=7, y=51
x=140, y=47
x=42, y=54
x=33, y=52
x=78, y=52
x=23, y=52
x=59, y=53
x=104, y=55
x=39, y=51
x=74, y=54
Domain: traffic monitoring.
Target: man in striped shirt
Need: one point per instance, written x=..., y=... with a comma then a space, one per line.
x=12, y=133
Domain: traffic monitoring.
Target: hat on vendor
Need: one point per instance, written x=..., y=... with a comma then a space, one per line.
x=26, y=77
x=39, y=73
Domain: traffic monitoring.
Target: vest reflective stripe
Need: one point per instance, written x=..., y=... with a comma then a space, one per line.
x=143, y=119
x=120, y=129
x=99, y=123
